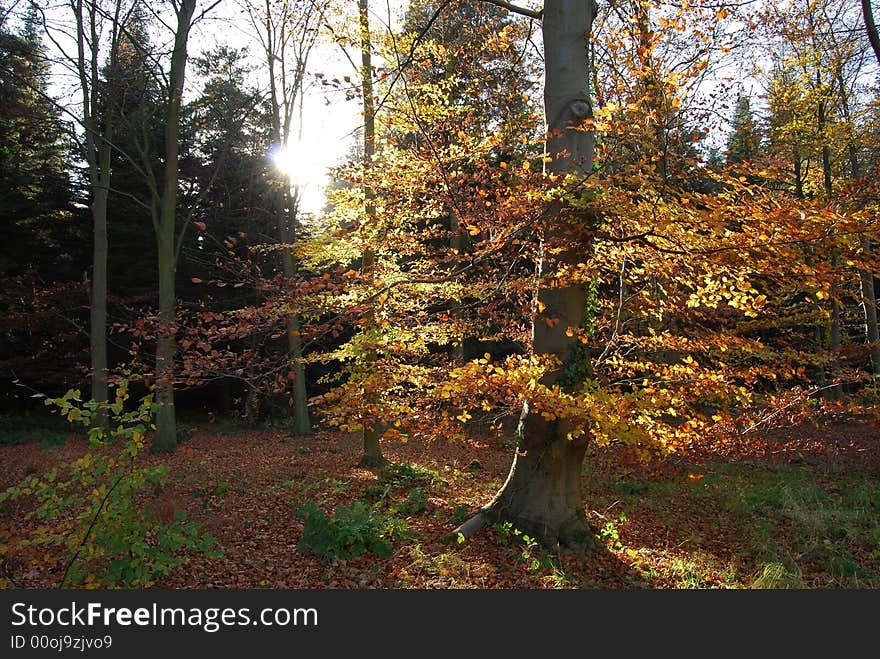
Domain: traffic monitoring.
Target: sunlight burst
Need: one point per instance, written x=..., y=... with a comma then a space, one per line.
x=296, y=163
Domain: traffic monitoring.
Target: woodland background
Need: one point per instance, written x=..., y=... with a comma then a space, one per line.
x=332, y=397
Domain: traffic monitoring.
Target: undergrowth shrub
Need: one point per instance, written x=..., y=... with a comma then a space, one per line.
x=91, y=513
x=15, y=429
x=351, y=531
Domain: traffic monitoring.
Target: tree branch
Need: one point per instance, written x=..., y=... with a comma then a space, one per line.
x=871, y=27
x=522, y=11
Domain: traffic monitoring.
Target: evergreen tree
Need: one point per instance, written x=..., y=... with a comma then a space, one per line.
x=744, y=141
x=42, y=223
x=37, y=214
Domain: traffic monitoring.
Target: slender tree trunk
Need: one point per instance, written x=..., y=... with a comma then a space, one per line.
x=866, y=277
x=869, y=301
x=542, y=495
x=98, y=297
x=833, y=331
x=287, y=221
x=283, y=99
x=456, y=242
x=165, y=439
x=372, y=455
x=98, y=120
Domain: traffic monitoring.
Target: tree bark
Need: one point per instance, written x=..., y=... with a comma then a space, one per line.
x=871, y=27
x=834, y=332
x=869, y=302
x=542, y=495
x=372, y=455
x=98, y=122
x=302, y=424
x=282, y=99
x=165, y=439
x=98, y=303
x=866, y=277
x=456, y=242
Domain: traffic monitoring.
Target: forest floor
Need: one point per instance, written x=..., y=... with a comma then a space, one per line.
x=796, y=508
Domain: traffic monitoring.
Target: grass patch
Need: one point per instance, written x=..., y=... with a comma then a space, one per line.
x=446, y=569
x=784, y=526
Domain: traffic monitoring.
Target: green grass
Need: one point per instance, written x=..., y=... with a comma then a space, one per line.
x=789, y=526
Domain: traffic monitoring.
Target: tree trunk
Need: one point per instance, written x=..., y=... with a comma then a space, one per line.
x=834, y=333
x=869, y=302
x=98, y=121
x=871, y=26
x=98, y=299
x=286, y=221
x=542, y=495
x=372, y=455
x=283, y=100
x=866, y=277
x=302, y=424
x=456, y=242
x=165, y=439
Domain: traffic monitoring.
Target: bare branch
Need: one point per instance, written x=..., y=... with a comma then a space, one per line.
x=522, y=11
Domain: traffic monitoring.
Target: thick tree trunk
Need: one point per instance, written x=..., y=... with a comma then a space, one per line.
x=372, y=450
x=542, y=495
x=287, y=212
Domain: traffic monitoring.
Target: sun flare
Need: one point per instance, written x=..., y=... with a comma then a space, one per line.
x=296, y=163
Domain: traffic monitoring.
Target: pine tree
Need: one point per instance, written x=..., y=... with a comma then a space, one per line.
x=744, y=141
x=37, y=213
